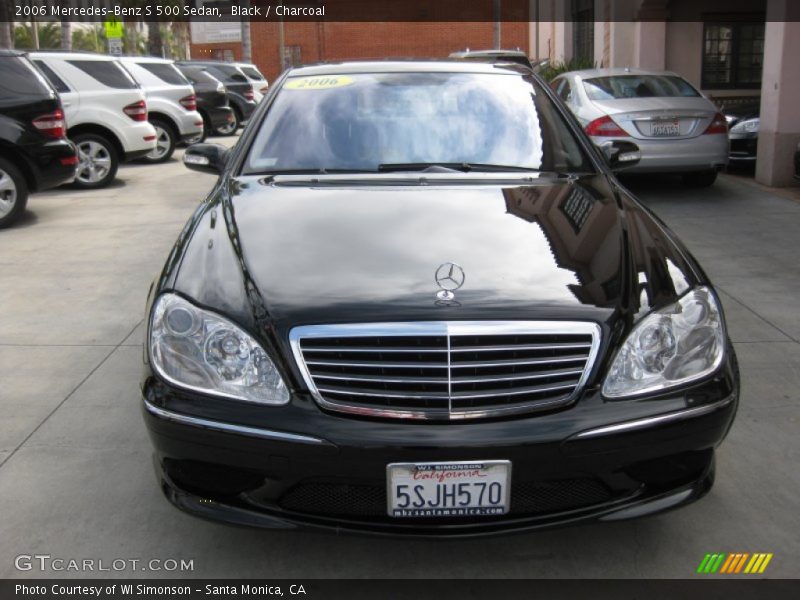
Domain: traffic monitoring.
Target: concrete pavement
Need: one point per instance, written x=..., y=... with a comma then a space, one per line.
x=76, y=480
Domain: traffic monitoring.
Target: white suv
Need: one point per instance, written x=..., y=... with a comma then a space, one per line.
x=105, y=111
x=254, y=76
x=171, y=103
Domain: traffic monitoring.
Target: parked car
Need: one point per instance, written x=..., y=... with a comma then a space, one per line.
x=743, y=123
x=105, y=110
x=212, y=100
x=676, y=128
x=260, y=84
x=494, y=56
x=35, y=154
x=239, y=88
x=797, y=163
x=171, y=103
x=477, y=329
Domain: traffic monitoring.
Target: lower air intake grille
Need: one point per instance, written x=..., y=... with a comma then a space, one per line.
x=359, y=500
x=446, y=369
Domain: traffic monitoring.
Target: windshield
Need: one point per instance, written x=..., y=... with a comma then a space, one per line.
x=363, y=122
x=638, y=86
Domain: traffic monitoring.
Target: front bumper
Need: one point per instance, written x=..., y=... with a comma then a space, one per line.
x=744, y=147
x=298, y=466
x=699, y=153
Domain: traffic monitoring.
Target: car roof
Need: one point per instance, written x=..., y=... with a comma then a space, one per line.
x=72, y=55
x=588, y=73
x=147, y=59
x=9, y=52
x=406, y=66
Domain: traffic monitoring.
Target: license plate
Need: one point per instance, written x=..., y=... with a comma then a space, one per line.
x=457, y=489
x=666, y=129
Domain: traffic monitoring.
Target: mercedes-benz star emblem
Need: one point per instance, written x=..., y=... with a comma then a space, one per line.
x=449, y=277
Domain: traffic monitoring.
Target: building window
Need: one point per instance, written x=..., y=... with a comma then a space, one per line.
x=583, y=30
x=733, y=55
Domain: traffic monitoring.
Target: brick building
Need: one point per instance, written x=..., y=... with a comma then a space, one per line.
x=308, y=42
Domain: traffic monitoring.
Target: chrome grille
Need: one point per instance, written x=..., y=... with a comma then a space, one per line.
x=445, y=369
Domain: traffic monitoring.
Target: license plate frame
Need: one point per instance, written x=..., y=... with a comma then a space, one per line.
x=665, y=128
x=432, y=475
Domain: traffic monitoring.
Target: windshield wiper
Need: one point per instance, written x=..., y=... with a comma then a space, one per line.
x=319, y=171
x=463, y=167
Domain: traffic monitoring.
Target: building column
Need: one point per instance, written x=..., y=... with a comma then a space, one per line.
x=779, y=132
x=650, y=45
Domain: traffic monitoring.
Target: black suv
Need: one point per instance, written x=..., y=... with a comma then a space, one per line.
x=34, y=152
x=212, y=99
x=238, y=86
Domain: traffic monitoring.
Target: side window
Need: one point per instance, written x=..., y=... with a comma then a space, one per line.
x=565, y=93
x=165, y=72
x=19, y=78
x=107, y=72
x=54, y=79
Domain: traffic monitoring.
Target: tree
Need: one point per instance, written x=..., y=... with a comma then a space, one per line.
x=90, y=40
x=6, y=25
x=49, y=36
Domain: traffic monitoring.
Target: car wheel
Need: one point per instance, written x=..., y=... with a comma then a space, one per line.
x=98, y=161
x=13, y=193
x=165, y=142
x=230, y=127
x=700, y=178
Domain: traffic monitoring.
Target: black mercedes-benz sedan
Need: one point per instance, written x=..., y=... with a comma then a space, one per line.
x=417, y=301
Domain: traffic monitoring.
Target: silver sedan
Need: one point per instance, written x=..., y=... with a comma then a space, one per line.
x=675, y=127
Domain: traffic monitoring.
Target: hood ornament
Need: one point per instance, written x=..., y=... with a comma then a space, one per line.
x=449, y=277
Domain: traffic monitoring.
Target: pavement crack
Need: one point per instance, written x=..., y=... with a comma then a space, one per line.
x=69, y=395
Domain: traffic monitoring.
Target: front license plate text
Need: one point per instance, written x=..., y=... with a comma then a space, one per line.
x=458, y=489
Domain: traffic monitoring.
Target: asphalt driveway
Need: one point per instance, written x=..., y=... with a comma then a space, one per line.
x=76, y=479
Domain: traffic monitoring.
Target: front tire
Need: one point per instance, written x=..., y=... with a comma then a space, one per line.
x=231, y=127
x=98, y=161
x=700, y=178
x=13, y=193
x=166, y=141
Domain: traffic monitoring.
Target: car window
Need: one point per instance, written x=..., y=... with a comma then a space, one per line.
x=107, y=72
x=165, y=72
x=565, y=91
x=19, y=78
x=252, y=73
x=56, y=81
x=228, y=73
x=637, y=86
x=361, y=121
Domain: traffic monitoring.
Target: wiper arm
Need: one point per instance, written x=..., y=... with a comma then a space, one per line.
x=319, y=171
x=464, y=167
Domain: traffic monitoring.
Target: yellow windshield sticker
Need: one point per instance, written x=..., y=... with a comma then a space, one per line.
x=325, y=82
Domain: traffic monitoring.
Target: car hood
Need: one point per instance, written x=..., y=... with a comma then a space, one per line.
x=337, y=253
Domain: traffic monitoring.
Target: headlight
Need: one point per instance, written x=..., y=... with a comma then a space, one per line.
x=747, y=126
x=202, y=351
x=670, y=347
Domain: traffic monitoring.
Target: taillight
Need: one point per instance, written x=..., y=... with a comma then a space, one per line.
x=189, y=102
x=605, y=127
x=248, y=93
x=52, y=124
x=718, y=125
x=136, y=111
x=69, y=161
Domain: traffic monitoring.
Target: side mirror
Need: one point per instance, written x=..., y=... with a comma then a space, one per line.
x=620, y=155
x=207, y=158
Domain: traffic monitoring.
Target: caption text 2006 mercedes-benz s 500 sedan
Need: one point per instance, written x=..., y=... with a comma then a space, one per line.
x=417, y=301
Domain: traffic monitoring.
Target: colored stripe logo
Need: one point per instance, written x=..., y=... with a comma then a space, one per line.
x=734, y=563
